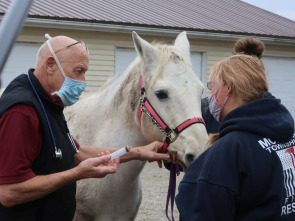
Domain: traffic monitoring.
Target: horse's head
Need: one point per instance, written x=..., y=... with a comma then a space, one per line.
x=174, y=91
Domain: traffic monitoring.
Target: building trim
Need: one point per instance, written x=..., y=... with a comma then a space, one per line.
x=118, y=28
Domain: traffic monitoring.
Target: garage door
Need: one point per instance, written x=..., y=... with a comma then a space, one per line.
x=281, y=77
x=124, y=56
x=22, y=57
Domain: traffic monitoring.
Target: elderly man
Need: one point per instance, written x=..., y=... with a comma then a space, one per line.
x=37, y=153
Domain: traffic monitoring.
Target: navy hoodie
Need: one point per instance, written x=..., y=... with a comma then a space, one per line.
x=248, y=174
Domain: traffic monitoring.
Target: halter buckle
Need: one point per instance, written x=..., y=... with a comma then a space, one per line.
x=143, y=95
x=172, y=136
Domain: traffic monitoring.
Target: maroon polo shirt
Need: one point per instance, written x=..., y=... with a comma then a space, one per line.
x=20, y=143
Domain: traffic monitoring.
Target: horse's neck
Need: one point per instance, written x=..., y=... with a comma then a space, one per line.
x=116, y=110
x=122, y=118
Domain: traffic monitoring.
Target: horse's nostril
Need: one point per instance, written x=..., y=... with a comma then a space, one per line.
x=190, y=157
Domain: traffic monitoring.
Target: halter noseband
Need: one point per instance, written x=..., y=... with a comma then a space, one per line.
x=171, y=134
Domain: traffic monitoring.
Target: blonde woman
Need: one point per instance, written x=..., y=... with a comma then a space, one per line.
x=248, y=172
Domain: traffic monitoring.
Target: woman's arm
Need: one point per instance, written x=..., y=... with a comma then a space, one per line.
x=151, y=152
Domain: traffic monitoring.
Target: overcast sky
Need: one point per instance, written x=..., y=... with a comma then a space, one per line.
x=285, y=8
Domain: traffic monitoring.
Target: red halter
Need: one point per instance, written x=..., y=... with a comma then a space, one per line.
x=171, y=134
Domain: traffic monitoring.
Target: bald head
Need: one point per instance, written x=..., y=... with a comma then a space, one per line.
x=73, y=59
x=57, y=43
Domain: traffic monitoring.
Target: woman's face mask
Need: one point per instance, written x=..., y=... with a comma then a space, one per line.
x=215, y=108
x=71, y=89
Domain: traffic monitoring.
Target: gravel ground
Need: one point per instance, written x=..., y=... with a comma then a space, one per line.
x=155, y=183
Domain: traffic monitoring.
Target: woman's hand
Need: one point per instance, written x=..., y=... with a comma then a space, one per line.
x=151, y=152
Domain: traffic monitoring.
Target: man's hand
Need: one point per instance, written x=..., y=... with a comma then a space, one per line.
x=97, y=167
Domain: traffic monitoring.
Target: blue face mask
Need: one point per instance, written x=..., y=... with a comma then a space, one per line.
x=71, y=89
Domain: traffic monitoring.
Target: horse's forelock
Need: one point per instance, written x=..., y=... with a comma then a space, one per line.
x=168, y=52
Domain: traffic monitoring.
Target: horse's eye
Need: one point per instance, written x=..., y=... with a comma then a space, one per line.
x=161, y=94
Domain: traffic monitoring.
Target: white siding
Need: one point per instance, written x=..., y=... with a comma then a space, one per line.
x=104, y=57
x=22, y=57
x=281, y=77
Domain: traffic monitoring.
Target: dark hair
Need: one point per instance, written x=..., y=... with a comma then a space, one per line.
x=249, y=46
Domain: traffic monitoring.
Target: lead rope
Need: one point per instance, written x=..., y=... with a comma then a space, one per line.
x=174, y=170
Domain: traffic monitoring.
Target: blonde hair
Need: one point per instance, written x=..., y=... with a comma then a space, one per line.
x=244, y=72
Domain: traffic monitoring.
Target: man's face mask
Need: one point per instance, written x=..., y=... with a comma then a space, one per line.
x=215, y=108
x=71, y=89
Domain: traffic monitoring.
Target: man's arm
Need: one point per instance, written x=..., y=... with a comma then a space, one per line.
x=40, y=186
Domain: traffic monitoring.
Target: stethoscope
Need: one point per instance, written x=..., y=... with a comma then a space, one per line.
x=57, y=151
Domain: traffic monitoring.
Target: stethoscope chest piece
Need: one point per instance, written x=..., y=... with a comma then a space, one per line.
x=58, y=153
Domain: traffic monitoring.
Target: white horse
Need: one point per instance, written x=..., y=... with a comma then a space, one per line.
x=110, y=118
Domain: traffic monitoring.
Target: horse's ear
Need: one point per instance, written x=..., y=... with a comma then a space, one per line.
x=182, y=43
x=144, y=49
